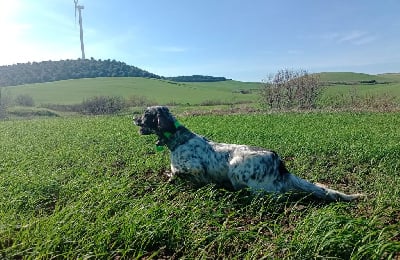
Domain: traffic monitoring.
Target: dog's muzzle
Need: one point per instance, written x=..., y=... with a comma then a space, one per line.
x=137, y=121
x=142, y=130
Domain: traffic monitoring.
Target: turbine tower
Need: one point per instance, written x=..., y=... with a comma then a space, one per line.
x=79, y=8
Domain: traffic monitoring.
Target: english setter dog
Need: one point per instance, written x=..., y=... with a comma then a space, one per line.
x=232, y=166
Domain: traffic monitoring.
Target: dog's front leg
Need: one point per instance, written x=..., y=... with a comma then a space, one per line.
x=171, y=175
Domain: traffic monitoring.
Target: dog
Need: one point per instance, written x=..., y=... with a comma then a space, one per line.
x=231, y=166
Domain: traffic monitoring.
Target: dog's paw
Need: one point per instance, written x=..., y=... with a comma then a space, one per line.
x=321, y=185
x=171, y=177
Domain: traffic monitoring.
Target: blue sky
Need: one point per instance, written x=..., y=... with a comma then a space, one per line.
x=240, y=39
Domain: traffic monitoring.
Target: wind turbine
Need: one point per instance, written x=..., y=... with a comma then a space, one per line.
x=79, y=8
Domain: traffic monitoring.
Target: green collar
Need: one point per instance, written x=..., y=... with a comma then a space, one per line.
x=168, y=135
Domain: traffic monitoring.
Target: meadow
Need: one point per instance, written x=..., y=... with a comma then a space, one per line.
x=91, y=187
x=341, y=91
x=67, y=92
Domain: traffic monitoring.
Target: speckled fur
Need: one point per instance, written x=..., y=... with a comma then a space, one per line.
x=232, y=166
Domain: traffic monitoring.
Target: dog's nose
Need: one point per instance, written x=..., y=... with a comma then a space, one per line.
x=137, y=121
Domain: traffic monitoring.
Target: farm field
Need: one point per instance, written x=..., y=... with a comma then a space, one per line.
x=388, y=84
x=356, y=96
x=343, y=86
x=159, y=91
x=352, y=77
x=91, y=187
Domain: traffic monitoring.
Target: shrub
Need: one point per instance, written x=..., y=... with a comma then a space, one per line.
x=291, y=89
x=3, y=105
x=24, y=100
x=3, y=113
x=31, y=112
x=102, y=105
x=63, y=107
x=210, y=102
x=139, y=101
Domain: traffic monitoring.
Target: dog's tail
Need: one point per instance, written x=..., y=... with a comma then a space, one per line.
x=296, y=184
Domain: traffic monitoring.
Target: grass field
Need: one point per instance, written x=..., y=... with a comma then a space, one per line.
x=368, y=95
x=343, y=90
x=159, y=91
x=91, y=187
x=351, y=77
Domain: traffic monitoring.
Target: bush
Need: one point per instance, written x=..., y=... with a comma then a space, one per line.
x=289, y=89
x=139, y=101
x=63, y=108
x=31, y=112
x=24, y=100
x=3, y=113
x=3, y=105
x=102, y=105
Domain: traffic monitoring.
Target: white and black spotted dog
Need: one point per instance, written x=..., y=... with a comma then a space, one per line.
x=232, y=166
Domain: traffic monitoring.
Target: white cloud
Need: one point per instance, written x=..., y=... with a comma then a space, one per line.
x=352, y=37
x=364, y=40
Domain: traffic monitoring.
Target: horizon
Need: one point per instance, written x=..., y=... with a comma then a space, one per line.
x=231, y=39
x=214, y=76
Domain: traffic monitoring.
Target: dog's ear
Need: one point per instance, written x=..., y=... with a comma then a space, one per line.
x=165, y=120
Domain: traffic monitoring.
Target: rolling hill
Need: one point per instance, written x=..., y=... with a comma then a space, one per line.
x=355, y=78
x=162, y=91
x=157, y=90
x=49, y=71
x=391, y=76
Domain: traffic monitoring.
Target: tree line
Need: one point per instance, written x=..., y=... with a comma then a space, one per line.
x=47, y=71
x=196, y=78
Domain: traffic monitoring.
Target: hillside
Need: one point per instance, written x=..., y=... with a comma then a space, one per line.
x=340, y=86
x=155, y=90
x=349, y=78
x=49, y=71
x=391, y=76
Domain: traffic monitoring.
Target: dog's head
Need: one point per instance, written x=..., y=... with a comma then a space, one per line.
x=156, y=120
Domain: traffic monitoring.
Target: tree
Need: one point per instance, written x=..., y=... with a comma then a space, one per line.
x=288, y=89
x=45, y=71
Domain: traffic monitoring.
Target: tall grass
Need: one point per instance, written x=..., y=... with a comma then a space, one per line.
x=92, y=187
x=359, y=97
